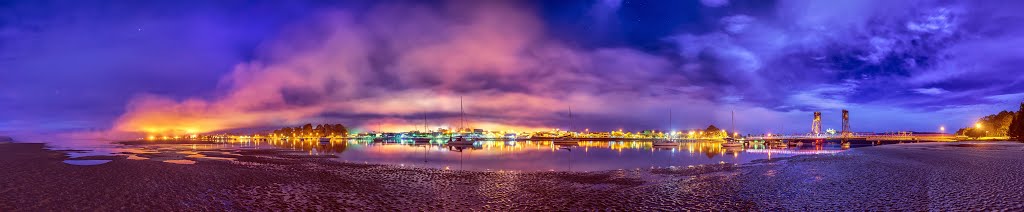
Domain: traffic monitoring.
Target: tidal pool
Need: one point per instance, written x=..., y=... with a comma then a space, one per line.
x=86, y=162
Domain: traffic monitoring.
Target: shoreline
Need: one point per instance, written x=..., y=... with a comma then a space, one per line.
x=260, y=181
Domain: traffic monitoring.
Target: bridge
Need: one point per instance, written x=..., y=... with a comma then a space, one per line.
x=857, y=137
x=847, y=134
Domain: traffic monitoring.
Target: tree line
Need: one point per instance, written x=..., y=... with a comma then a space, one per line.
x=309, y=130
x=1004, y=123
x=1016, y=128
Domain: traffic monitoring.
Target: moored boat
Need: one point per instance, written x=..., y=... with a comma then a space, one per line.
x=421, y=140
x=665, y=143
x=729, y=142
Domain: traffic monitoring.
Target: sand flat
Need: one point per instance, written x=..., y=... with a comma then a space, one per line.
x=928, y=176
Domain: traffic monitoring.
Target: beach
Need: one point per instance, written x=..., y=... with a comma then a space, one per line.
x=923, y=176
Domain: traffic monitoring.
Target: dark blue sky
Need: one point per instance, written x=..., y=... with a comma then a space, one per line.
x=69, y=66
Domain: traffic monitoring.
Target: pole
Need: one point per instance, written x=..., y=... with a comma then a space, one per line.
x=570, y=120
x=462, y=112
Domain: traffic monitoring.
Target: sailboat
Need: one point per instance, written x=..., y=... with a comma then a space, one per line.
x=423, y=137
x=729, y=141
x=669, y=142
x=460, y=141
x=569, y=139
x=380, y=136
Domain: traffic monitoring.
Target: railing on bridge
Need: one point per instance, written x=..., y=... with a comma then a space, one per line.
x=893, y=136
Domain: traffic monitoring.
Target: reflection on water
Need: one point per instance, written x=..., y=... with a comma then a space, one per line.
x=183, y=162
x=86, y=162
x=537, y=155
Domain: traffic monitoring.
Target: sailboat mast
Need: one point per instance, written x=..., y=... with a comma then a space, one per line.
x=570, y=119
x=733, y=122
x=462, y=111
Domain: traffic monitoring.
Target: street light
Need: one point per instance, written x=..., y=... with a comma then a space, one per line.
x=977, y=125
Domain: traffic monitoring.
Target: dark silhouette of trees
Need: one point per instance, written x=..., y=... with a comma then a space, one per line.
x=991, y=125
x=340, y=130
x=1016, y=128
x=309, y=130
x=712, y=128
x=713, y=131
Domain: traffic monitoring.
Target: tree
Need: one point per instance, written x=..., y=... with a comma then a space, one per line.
x=288, y=131
x=1016, y=128
x=319, y=130
x=711, y=128
x=340, y=130
x=713, y=131
x=307, y=129
x=971, y=132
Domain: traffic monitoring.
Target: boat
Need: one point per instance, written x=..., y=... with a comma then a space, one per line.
x=669, y=142
x=569, y=139
x=423, y=137
x=565, y=141
x=325, y=140
x=780, y=144
x=733, y=149
x=460, y=141
x=421, y=140
x=665, y=143
x=729, y=142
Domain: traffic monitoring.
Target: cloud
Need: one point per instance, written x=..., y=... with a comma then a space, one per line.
x=391, y=62
x=403, y=60
x=931, y=91
x=736, y=23
x=824, y=96
x=714, y=3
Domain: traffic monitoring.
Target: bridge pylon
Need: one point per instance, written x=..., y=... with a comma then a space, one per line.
x=816, y=124
x=846, y=133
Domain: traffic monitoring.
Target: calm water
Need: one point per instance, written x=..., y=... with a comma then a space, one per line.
x=486, y=155
x=541, y=155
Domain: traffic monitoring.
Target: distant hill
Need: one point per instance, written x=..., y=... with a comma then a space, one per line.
x=5, y=138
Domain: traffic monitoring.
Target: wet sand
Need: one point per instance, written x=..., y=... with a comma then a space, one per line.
x=932, y=176
x=959, y=176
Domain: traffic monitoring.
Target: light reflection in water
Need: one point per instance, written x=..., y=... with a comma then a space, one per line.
x=535, y=155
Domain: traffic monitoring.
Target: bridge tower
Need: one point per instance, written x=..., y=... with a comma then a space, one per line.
x=846, y=124
x=816, y=124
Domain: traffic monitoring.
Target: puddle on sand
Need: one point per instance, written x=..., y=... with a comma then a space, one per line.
x=184, y=162
x=136, y=157
x=86, y=162
x=205, y=157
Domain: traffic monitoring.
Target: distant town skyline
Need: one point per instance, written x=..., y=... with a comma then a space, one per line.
x=157, y=67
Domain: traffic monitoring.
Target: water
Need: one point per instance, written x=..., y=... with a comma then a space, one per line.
x=86, y=162
x=481, y=156
x=540, y=155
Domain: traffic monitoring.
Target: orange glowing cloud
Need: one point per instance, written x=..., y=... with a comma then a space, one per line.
x=395, y=62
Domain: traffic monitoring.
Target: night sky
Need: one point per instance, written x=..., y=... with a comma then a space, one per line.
x=88, y=67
